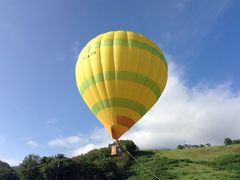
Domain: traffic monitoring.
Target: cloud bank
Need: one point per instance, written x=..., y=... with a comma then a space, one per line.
x=200, y=114
x=11, y=162
x=98, y=138
x=66, y=142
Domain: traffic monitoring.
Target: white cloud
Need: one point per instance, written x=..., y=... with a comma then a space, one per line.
x=198, y=114
x=86, y=148
x=97, y=139
x=32, y=143
x=79, y=145
x=66, y=142
x=11, y=162
x=100, y=135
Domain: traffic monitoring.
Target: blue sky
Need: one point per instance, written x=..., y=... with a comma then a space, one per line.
x=41, y=110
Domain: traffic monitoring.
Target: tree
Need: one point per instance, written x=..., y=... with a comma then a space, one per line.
x=6, y=172
x=29, y=168
x=109, y=167
x=4, y=165
x=236, y=141
x=208, y=145
x=57, y=166
x=180, y=146
x=227, y=141
x=48, y=167
x=201, y=145
x=129, y=145
x=87, y=170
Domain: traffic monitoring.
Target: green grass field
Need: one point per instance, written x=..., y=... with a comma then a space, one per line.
x=219, y=162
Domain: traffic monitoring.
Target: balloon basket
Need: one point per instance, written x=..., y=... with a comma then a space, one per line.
x=115, y=149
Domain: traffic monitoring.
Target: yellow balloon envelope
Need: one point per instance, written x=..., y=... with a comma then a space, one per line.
x=120, y=75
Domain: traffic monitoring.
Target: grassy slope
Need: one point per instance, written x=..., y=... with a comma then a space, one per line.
x=199, y=154
x=198, y=163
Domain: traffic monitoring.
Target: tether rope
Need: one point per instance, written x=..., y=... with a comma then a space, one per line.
x=139, y=162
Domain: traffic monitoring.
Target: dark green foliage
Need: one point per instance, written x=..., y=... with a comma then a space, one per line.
x=85, y=170
x=48, y=167
x=228, y=162
x=189, y=146
x=6, y=172
x=66, y=168
x=4, y=165
x=109, y=167
x=236, y=141
x=198, y=163
x=101, y=159
x=96, y=154
x=129, y=146
x=144, y=153
x=29, y=168
x=159, y=166
x=180, y=147
x=96, y=164
x=227, y=141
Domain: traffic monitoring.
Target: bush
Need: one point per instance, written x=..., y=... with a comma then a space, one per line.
x=237, y=141
x=129, y=145
x=227, y=141
x=230, y=162
x=180, y=147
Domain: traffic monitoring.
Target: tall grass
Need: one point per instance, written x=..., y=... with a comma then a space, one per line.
x=220, y=162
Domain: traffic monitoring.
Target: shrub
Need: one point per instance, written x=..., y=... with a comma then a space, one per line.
x=180, y=146
x=230, y=162
x=227, y=141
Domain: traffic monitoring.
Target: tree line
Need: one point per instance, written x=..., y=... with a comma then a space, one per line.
x=189, y=146
x=228, y=141
x=96, y=164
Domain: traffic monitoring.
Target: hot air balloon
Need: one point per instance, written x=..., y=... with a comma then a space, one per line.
x=120, y=75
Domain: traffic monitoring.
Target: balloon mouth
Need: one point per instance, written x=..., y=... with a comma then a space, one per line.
x=120, y=124
x=117, y=131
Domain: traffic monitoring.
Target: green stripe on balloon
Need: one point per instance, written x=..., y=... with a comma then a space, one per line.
x=119, y=102
x=128, y=42
x=121, y=75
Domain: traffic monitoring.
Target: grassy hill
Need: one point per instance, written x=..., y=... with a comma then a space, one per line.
x=219, y=162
